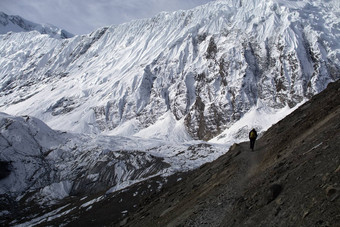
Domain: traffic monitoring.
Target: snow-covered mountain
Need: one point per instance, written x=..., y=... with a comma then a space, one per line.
x=10, y=23
x=200, y=70
x=123, y=103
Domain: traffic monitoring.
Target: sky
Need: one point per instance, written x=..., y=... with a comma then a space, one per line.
x=85, y=16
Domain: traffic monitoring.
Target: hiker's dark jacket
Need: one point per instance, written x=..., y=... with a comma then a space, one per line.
x=252, y=134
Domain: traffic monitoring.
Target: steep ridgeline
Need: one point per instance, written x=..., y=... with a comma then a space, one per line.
x=10, y=23
x=204, y=68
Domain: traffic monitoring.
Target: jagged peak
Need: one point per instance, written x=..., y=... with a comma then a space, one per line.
x=9, y=23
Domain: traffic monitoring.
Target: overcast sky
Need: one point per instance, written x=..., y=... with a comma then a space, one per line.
x=84, y=16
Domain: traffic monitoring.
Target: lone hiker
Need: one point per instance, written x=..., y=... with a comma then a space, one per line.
x=252, y=137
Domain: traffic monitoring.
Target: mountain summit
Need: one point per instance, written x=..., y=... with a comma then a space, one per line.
x=10, y=23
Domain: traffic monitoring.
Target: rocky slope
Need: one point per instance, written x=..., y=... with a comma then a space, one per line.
x=203, y=68
x=292, y=178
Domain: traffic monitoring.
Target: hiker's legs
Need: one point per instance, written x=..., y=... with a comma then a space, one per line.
x=252, y=144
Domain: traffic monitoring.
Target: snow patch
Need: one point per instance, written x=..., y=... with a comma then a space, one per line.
x=56, y=191
x=166, y=128
x=259, y=117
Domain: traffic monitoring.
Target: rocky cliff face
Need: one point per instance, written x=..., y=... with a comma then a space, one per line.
x=207, y=67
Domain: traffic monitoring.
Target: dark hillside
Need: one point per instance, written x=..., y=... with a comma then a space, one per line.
x=292, y=178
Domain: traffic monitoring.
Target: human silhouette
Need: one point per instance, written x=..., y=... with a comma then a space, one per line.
x=252, y=137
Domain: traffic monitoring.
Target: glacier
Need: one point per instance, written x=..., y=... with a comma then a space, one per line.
x=43, y=160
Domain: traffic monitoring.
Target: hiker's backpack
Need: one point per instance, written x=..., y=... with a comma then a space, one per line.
x=252, y=135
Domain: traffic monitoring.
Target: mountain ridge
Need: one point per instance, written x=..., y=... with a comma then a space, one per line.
x=11, y=23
